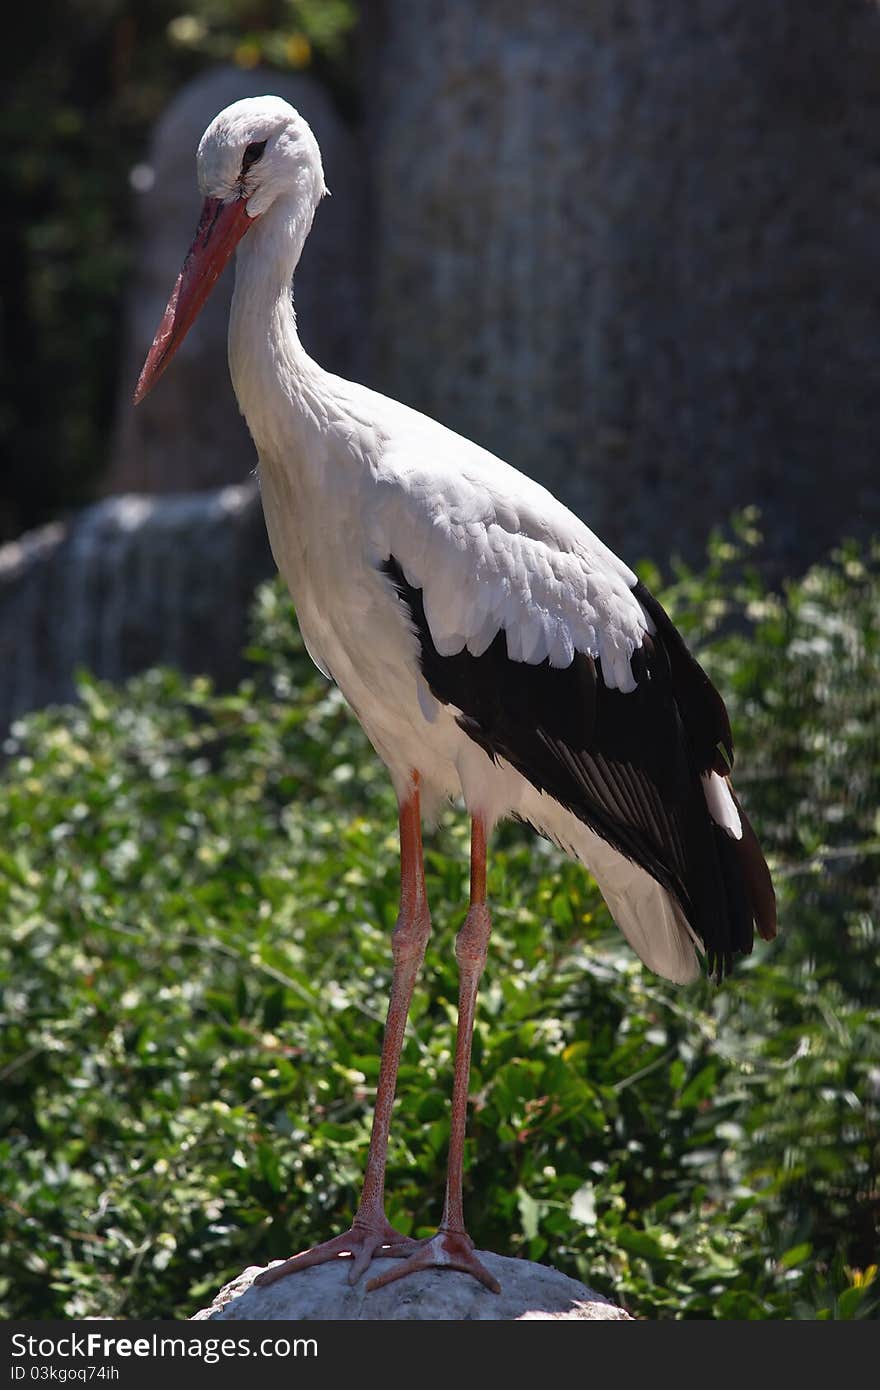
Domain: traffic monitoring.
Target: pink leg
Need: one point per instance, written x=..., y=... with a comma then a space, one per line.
x=371, y=1235
x=452, y=1247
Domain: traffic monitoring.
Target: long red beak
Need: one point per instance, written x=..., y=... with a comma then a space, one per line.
x=221, y=227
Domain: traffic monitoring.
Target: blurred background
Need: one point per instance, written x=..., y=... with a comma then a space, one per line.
x=632, y=248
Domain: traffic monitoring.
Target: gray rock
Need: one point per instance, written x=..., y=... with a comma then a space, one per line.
x=528, y=1291
x=632, y=249
x=188, y=433
x=126, y=584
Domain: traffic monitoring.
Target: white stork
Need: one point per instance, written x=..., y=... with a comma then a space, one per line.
x=491, y=646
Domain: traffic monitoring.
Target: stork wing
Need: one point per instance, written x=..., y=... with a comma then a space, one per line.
x=556, y=659
x=491, y=550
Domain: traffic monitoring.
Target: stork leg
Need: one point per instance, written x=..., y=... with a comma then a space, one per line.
x=371, y=1235
x=452, y=1247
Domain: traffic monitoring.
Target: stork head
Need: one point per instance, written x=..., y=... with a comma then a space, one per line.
x=254, y=153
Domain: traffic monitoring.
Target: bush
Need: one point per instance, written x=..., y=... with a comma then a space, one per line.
x=199, y=890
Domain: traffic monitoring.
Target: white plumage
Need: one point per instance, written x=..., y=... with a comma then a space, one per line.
x=490, y=644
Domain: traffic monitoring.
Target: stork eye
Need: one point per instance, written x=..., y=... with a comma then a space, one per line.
x=253, y=152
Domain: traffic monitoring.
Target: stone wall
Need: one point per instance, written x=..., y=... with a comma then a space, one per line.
x=129, y=583
x=631, y=246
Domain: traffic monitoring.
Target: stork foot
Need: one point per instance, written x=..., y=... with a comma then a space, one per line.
x=445, y=1250
x=363, y=1243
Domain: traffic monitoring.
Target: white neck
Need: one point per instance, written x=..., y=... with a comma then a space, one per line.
x=277, y=384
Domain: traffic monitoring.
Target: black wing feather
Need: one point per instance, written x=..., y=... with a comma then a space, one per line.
x=626, y=764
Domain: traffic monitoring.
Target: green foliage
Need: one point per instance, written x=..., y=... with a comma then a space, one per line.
x=198, y=893
x=284, y=33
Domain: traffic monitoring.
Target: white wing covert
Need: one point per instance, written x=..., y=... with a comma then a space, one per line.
x=491, y=550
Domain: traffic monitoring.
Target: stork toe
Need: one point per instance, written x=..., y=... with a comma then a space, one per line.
x=445, y=1250
x=361, y=1245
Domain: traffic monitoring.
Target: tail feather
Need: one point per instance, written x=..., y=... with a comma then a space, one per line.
x=651, y=920
x=735, y=895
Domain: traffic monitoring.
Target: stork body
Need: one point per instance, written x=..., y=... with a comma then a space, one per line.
x=492, y=647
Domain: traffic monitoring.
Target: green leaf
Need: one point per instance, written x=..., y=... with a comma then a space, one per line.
x=640, y=1243
x=796, y=1255
x=529, y=1213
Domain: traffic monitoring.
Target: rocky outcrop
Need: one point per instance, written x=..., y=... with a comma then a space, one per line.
x=129, y=583
x=528, y=1291
x=188, y=433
